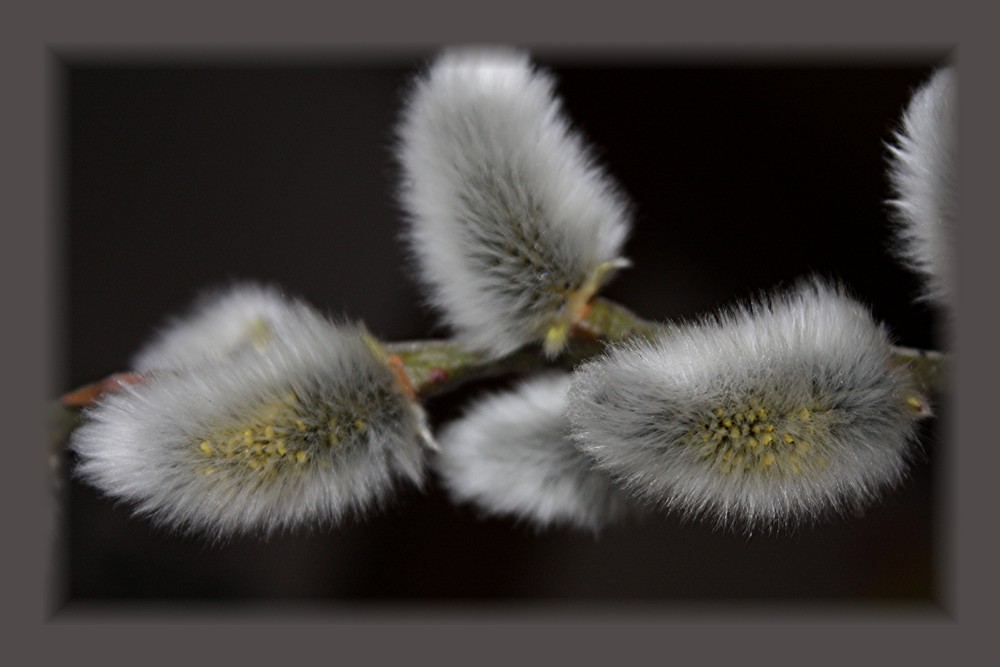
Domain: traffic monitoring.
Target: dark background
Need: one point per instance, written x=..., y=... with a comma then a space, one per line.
x=745, y=174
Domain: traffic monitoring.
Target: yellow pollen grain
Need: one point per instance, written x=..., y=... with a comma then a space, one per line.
x=789, y=439
x=769, y=459
x=206, y=447
x=767, y=438
x=769, y=428
x=280, y=446
x=301, y=456
x=762, y=413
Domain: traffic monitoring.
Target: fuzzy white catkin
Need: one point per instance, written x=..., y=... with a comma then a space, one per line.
x=510, y=455
x=924, y=177
x=308, y=428
x=512, y=224
x=222, y=322
x=763, y=416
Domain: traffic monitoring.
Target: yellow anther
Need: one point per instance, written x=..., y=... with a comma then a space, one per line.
x=804, y=414
x=248, y=437
x=719, y=412
x=269, y=432
x=258, y=449
x=789, y=439
x=727, y=455
x=767, y=439
x=769, y=428
x=280, y=447
x=260, y=333
x=769, y=459
x=727, y=422
x=301, y=456
x=360, y=424
x=333, y=438
x=762, y=413
x=333, y=422
x=254, y=464
x=916, y=404
x=753, y=443
x=734, y=433
x=206, y=447
x=299, y=424
x=555, y=338
x=756, y=428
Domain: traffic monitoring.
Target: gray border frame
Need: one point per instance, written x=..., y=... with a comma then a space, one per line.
x=39, y=34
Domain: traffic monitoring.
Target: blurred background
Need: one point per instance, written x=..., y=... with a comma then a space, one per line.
x=747, y=173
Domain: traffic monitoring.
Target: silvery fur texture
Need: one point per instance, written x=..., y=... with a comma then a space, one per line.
x=222, y=322
x=766, y=415
x=510, y=455
x=306, y=429
x=924, y=177
x=508, y=214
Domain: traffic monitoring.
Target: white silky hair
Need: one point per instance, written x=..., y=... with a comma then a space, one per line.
x=306, y=430
x=510, y=455
x=924, y=177
x=221, y=322
x=507, y=209
x=804, y=377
